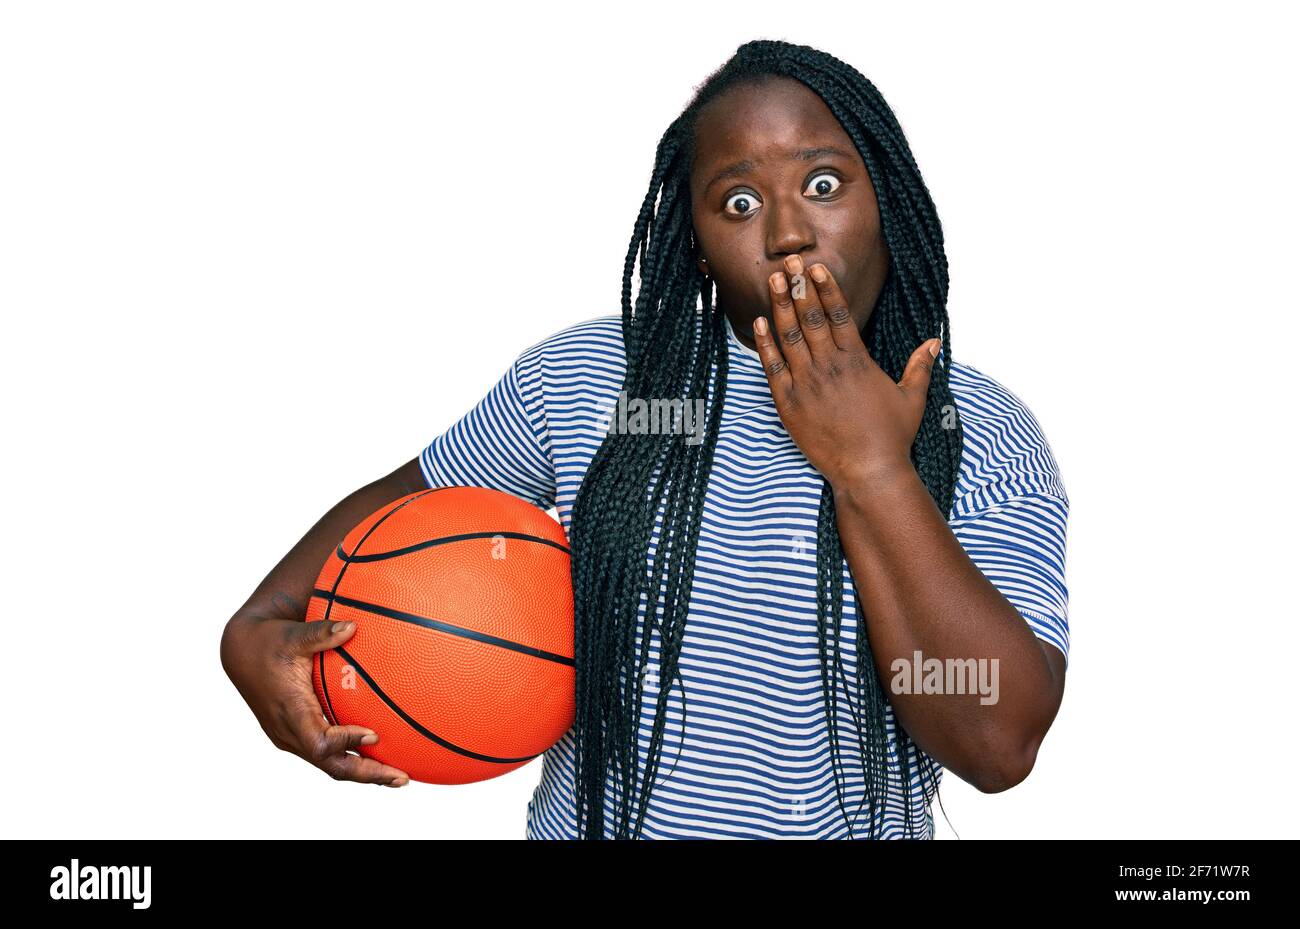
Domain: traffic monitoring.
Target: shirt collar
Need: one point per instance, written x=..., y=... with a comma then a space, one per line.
x=738, y=345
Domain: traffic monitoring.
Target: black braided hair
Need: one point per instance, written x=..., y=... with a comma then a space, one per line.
x=676, y=346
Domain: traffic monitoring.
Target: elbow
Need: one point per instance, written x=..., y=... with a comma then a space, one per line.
x=228, y=633
x=1007, y=767
x=232, y=643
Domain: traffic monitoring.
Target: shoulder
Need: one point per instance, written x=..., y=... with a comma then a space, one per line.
x=599, y=340
x=1005, y=451
x=582, y=359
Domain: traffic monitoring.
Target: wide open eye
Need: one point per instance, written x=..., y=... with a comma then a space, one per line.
x=744, y=203
x=824, y=184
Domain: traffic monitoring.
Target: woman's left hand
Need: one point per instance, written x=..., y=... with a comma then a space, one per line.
x=844, y=412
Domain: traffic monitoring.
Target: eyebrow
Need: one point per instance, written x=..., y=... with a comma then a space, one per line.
x=803, y=154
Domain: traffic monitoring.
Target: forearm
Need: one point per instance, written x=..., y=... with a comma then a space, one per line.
x=920, y=592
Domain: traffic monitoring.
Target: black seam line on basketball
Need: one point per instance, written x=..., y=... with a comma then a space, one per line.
x=415, y=725
x=441, y=626
x=324, y=683
x=398, y=552
x=329, y=704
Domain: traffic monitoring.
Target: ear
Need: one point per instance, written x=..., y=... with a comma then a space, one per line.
x=700, y=261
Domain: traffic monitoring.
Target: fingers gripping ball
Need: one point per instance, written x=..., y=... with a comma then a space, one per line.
x=462, y=660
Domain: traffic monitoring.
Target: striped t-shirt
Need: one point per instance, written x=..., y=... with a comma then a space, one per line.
x=752, y=759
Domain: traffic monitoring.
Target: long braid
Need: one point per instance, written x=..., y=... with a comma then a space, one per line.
x=676, y=346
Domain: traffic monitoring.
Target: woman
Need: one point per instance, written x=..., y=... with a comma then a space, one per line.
x=856, y=508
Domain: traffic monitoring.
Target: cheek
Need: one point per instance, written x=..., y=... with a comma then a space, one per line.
x=868, y=234
x=867, y=218
x=740, y=265
x=744, y=280
x=860, y=241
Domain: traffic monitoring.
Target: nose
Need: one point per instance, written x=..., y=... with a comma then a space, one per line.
x=789, y=232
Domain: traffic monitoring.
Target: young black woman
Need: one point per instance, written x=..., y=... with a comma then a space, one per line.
x=833, y=414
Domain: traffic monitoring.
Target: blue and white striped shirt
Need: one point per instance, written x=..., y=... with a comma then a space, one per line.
x=753, y=759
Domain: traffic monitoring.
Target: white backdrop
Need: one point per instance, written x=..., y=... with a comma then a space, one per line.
x=254, y=255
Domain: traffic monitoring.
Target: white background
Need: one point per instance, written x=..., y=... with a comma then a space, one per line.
x=255, y=255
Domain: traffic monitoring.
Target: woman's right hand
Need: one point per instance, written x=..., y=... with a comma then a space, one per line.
x=270, y=663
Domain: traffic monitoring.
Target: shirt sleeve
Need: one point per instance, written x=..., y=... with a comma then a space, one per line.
x=503, y=443
x=1012, y=522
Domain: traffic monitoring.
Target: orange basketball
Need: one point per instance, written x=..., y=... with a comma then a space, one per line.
x=462, y=661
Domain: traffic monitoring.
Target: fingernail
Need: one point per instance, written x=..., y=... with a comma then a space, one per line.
x=760, y=326
x=934, y=349
x=397, y=782
x=369, y=739
x=778, y=282
x=342, y=627
x=818, y=273
x=793, y=264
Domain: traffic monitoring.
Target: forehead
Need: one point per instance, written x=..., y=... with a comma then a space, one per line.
x=764, y=122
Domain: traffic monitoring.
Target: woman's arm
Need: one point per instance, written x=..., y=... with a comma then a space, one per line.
x=923, y=594
x=919, y=590
x=267, y=649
